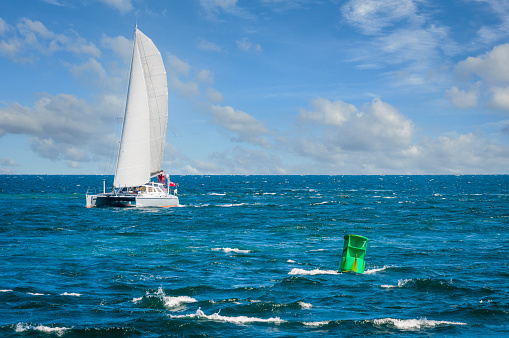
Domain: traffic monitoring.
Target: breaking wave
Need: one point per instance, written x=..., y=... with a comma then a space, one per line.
x=235, y=320
x=297, y=271
x=413, y=324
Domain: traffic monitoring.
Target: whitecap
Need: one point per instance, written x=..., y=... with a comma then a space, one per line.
x=228, y=250
x=413, y=324
x=373, y=271
x=232, y=205
x=217, y=194
x=320, y=203
x=305, y=305
x=22, y=327
x=235, y=320
x=315, y=323
x=71, y=294
x=6, y=290
x=136, y=300
x=290, y=261
x=297, y=271
x=173, y=302
x=269, y=193
x=401, y=283
x=35, y=294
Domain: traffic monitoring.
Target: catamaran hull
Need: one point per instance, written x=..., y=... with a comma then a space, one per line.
x=156, y=201
x=103, y=200
x=139, y=201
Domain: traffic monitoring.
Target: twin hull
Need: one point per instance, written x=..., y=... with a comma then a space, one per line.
x=140, y=200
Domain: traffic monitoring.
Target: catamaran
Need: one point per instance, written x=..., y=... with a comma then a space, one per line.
x=139, y=180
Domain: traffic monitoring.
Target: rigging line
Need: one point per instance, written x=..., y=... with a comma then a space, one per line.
x=127, y=80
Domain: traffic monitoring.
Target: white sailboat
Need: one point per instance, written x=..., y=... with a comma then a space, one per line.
x=143, y=136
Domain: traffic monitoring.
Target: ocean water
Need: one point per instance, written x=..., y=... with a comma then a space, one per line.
x=257, y=256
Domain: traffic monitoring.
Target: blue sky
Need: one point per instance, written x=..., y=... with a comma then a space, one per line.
x=262, y=87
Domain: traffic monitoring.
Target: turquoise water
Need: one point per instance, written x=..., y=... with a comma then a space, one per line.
x=257, y=256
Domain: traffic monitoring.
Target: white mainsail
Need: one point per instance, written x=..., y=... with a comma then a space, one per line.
x=144, y=130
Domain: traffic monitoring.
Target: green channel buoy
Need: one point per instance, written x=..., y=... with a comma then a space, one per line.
x=354, y=252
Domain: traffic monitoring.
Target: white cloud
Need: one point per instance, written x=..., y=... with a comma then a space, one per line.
x=123, y=6
x=207, y=45
x=462, y=98
x=490, y=71
x=177, y=66
x=328, y=113
x=245, y=45
x=214, y=7
x=91, y=70
x=498, y=30
x=376, y=126
x=492, y=66
x=245, y=126
x=205, y=76
x=371, y=16
x=33, y=36
x=214, y=95
x=8, y=162
x=500, y=98
x=4, y=27
x=120, y=45
x=62, y=126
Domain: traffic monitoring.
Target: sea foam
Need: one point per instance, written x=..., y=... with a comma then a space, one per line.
x=413, y=324
x=173, y=302
x=235, y=320
x=23, y=327
x=373, y=271
x=228, y=250
x=401, y=283
x=297, y=271
x=74, y=294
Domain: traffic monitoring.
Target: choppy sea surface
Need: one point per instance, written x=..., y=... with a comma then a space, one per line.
x=257, y=256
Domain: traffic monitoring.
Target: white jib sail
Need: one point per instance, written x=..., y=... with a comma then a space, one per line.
x=157, y=91
x=133, y=165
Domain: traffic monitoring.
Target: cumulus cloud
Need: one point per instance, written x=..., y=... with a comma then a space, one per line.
x=490, y=71
x=328, y=113
x=205, y=76
x=214, y=95
x=62, y=126
x=492, y=66
x=377, y=126
x=244, y=126
x=120, y=45
x=462, y=98
x=500, y=98
x=177, y=66
x=239, y=125
x=378, y=139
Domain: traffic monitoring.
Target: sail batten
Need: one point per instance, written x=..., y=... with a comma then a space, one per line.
x=146, y=116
